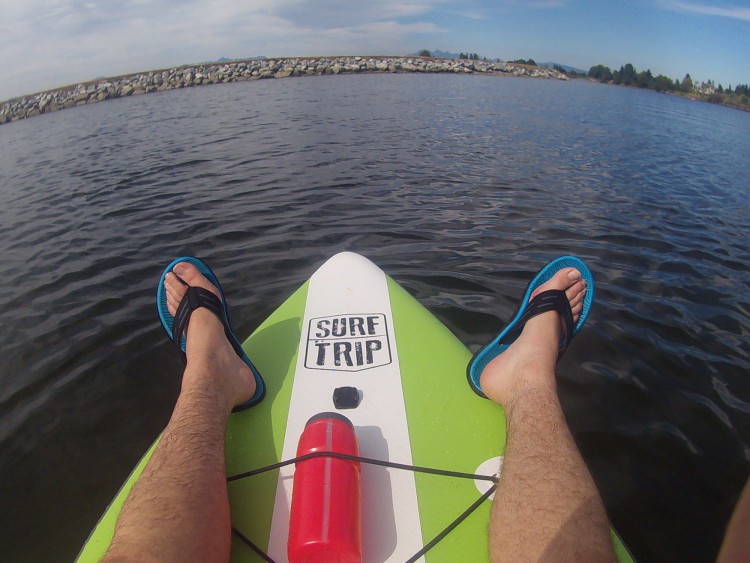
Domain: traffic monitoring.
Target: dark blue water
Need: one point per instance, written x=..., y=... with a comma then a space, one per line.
x=460, y=188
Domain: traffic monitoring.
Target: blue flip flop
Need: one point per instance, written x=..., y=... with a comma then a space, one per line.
x=545, y=301
x=175, y=326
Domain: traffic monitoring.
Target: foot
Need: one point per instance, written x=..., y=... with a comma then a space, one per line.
x=529, y=363
x=212, y=363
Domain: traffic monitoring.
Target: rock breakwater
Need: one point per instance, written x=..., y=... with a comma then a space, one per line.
x=251, y=69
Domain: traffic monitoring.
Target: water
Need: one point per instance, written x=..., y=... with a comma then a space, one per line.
x=460, y=188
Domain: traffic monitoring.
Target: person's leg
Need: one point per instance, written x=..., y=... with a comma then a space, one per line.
x=178, y=509
x=546, y=506
x=736, y=545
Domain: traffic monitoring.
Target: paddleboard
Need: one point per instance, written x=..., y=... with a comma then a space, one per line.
x=352, y=326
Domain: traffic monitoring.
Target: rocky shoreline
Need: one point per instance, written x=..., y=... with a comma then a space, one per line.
x=251, y=69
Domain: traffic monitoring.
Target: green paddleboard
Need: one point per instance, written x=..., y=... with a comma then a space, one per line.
x=350, y=325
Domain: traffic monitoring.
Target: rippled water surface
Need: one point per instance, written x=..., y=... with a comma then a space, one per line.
x=460, y=188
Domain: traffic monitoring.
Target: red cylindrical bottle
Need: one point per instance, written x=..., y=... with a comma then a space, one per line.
x=325, y=520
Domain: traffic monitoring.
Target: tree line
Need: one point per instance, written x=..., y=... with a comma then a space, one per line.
x=467, y=56
x=628, y=76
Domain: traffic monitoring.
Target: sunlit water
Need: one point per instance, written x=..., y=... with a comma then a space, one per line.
x=460, y=188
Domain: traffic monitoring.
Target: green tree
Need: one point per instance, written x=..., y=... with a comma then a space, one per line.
x=601, y=73
x=663, y=84
x=424, y=53
x=628, y=75
x=708, y=90
x=645, y=79
x=687, y=84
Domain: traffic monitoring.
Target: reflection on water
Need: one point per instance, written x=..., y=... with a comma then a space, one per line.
x=460, y=188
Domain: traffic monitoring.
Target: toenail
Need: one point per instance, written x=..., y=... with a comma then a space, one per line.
x=574, y=275
x=180, y=269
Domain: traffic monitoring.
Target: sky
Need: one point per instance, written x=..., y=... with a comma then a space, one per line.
x=50, y=43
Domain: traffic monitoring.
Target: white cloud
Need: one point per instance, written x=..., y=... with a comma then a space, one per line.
x=541, y=4
x=726, y=11
x=48, y=43
x=478, y=16
x=343, y=13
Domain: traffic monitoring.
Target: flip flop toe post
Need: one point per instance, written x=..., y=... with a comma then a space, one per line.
x=175, y=325
x=545, y=301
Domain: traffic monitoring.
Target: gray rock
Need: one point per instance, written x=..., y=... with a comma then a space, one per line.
x=197, y=75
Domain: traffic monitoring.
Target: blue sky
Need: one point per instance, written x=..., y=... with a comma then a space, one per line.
x=50, y=43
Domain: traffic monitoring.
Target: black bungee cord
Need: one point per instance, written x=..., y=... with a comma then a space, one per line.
x=417, y=469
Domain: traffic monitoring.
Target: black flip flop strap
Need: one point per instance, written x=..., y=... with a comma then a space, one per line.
x=550, y=300
x=194, y=298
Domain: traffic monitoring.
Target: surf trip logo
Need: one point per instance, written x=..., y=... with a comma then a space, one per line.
x=348, y=342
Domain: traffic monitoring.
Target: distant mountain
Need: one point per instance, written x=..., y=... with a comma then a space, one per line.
x=567, y=68
x=437, y=53
x=226, y=60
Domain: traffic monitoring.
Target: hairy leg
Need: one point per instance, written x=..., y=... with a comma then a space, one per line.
x=547, y=507
x=178, y=509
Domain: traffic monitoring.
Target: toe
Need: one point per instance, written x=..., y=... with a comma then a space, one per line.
x=575, y=294
x=192, y=276
x=175, y=290
x=563, y=280
x=571, y=282
x=177, y=281
x=575, y=289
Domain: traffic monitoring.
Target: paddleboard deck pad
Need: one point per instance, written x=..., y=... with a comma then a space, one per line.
x=352, y=338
